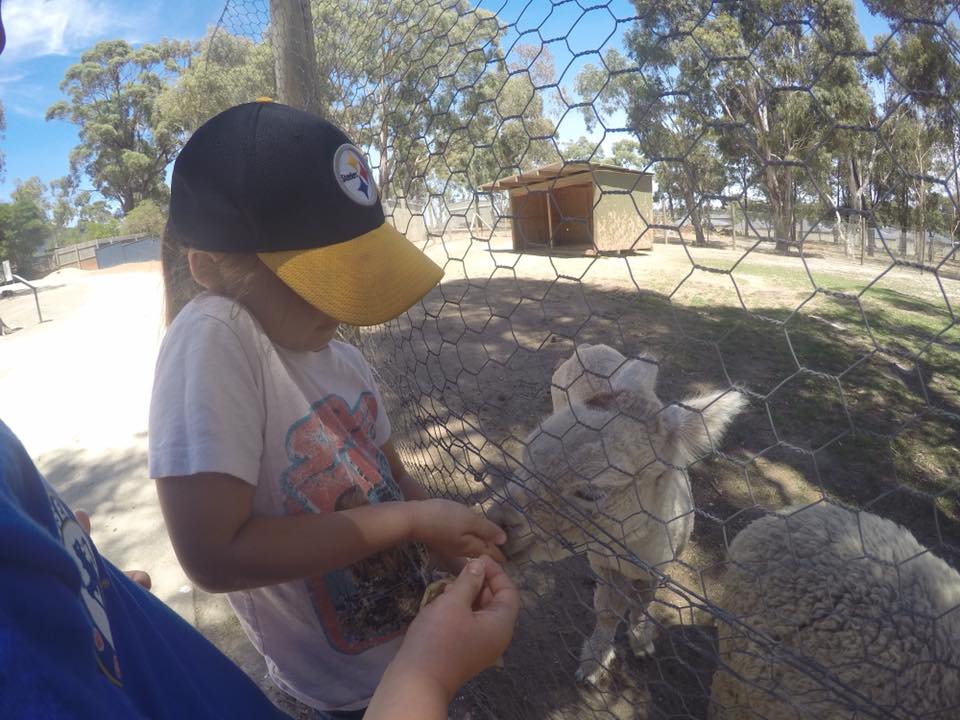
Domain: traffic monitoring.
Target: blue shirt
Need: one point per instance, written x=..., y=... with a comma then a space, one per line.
x=78, y=639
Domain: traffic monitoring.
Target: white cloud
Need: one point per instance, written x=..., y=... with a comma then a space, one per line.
x=28, y=112
x=60, y=27
x=25, y=98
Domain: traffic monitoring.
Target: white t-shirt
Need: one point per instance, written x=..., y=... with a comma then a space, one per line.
x=305, y=428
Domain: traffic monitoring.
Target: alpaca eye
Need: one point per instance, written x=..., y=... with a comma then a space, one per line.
x=588, y=494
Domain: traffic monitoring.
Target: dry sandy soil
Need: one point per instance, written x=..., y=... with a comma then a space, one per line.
x=467, y=376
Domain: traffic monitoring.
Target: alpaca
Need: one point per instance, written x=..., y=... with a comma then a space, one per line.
x=604, y=475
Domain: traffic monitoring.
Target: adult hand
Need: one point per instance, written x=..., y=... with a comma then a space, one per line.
x=465, y=630
x=138, y=576
x=453, y=638
x=454, y=530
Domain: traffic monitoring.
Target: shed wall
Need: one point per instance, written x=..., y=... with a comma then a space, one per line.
x=623, y=201
x=530, y=222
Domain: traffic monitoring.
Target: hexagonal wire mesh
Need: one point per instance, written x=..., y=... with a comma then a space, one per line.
x=753, y=204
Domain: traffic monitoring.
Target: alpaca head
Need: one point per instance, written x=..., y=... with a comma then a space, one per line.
x=585, y=467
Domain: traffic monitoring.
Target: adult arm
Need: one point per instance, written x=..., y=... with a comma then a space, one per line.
x=458, y=635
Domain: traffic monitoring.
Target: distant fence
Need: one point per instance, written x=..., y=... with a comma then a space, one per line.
x=854, y=239
x=142, y=249
x=103, y=253
x=481, y=218
x=419, y=219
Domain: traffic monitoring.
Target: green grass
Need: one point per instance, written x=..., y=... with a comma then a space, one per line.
x=796, y=278
x=885, y=426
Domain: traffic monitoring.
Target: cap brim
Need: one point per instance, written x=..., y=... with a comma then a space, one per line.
x=368, y=280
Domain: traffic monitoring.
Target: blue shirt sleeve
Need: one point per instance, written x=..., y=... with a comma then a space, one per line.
x=78, y=639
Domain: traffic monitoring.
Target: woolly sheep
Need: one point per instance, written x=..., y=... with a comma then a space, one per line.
x=847, y=594
x=602, y=473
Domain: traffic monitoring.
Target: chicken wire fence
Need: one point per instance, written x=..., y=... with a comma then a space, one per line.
x=696, y=346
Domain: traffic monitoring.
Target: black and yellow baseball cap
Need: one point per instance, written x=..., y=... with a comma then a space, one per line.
x=269, y=179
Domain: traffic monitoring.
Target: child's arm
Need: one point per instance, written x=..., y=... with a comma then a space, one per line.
x=224, y=547
x=411, y=489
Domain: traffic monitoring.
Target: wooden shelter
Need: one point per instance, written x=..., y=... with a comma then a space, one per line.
x=578, y=207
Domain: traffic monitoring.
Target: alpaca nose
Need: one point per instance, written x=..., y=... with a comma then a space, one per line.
x=494, y=511
x=501, y=513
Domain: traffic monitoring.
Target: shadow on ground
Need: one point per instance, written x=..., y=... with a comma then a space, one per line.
x=467, y=376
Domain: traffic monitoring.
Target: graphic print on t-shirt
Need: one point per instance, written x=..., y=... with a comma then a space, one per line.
x=78, y=545
x=336, y=465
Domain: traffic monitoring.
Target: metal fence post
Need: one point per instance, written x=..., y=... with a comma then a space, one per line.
x=36, y=297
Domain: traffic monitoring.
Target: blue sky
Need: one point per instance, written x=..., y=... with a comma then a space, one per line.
x=44, y=37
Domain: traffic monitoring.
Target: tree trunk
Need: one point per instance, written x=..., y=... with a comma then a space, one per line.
x=383, y=134
x=836, y=208
x=700, y=239
x=780, y=195
x=295, y=55
x=851, y=233
x=785, y=227
x=854, y=190
x=904, y=220
x=871, y=237
x=695, y=217
x=384, y=181
x=955, y=138
x=781, y=230
x=922, y=225
x=921, y=202
x=733, y=226
x=794, y=220
x=673, y=214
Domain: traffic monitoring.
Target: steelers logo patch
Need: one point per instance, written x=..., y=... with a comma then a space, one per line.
x=353, y=175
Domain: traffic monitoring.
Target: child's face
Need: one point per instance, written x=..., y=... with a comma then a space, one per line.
x=289, y=320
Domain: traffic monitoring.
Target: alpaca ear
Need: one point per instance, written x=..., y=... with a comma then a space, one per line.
x=637, y=375
x=581, y=348
x=691, y=429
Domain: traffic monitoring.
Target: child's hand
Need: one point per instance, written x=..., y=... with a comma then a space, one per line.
x=138, y=576
x=455, y=530
x=447, y=563
x=465, y=630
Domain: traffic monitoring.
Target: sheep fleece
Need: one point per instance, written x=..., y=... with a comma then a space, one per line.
x=854, y=594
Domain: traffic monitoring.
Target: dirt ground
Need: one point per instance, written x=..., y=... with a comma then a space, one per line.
x=851, y=399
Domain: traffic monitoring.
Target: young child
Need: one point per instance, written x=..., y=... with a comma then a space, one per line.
x=269, y=440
